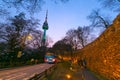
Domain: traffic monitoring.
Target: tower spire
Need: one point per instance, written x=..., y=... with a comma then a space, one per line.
x=45, y=27
x=46, y=15
x=45, y=24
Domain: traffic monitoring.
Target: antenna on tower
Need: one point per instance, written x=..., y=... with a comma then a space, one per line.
x=46, y=15
x=45, y=24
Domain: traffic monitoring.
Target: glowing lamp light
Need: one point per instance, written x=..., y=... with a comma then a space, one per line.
x=29, y=37
x=68, y=76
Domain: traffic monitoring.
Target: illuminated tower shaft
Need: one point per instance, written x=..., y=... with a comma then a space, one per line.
x=44, y=27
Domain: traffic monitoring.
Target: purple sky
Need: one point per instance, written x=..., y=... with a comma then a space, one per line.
x=65, y=16
x=62, y=17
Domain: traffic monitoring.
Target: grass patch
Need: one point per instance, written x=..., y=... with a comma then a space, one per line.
x=61, y=71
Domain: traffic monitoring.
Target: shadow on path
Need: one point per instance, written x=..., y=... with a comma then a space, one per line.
x=83, y=74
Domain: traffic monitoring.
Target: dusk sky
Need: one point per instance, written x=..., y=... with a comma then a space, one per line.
x=65, y=16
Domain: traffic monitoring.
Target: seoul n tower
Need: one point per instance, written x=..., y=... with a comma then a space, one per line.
x=44, y=27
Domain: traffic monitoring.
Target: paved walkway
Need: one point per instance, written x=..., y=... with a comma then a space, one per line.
x=89, y=75
x=83, y=74
x=73, y=72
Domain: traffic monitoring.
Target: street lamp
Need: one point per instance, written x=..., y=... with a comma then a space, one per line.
x=29, y=37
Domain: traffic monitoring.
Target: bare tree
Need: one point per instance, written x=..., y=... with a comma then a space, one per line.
x=62, y=48
x=36, y=39
x=77, y=37
x=29, y=5
x=70, y=37
x=82, y=34
x=3, y=12
x=98, y=20
x=49, y=41
x=16, y=32
x=111, y=4
x=59, y=48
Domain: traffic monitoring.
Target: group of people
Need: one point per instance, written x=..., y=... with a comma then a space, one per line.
x=82, y=63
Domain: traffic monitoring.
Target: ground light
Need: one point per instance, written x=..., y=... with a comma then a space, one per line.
x=68, y=76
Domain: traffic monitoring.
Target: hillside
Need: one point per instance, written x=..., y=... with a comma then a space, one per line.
x=103, y=54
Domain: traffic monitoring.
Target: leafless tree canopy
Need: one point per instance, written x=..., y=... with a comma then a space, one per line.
x=82, y=34
x=99, y=20
x=111, y=4
x=29, y=5
x=77, y=38
x=15, y=34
